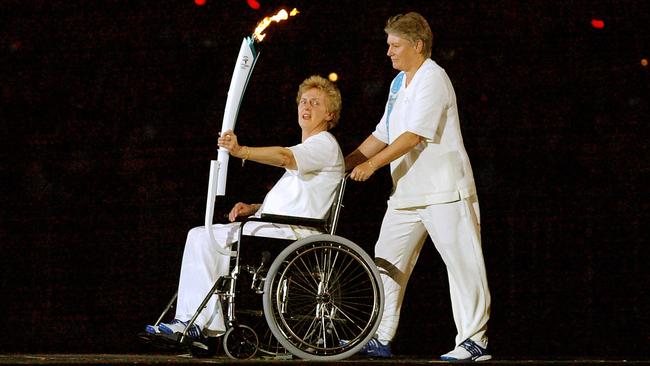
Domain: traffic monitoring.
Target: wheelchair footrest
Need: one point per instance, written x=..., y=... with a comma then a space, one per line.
x=173, y=342
x=161, y=340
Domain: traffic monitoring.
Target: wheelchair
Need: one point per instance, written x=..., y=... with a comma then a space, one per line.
x=317, y=292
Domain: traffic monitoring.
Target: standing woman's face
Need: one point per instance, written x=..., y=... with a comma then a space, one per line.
x=403, y=53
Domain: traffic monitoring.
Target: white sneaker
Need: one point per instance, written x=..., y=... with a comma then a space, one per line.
x=152, y=329
x=177, y=326
x=468, y=351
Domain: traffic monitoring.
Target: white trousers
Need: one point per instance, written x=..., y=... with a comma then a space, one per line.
x=202, y=265
x=455, y=231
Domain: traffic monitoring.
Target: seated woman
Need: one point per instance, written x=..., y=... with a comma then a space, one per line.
x=307, y=189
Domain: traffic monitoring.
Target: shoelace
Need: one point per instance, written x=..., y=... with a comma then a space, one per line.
x=473, y=348
x=194, y=331
x=373, y=346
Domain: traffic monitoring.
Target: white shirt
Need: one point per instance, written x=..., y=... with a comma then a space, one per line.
x=309, y=190
x=437, y=170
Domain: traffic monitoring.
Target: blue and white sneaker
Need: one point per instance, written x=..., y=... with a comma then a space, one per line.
x=152, y=329
x=178, y=326
x=374, y=348
x=468, y=351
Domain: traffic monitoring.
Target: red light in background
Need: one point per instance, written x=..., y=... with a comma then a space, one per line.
x=199, y=2
x=644, y=62
x=253, y=4
x=597, y=23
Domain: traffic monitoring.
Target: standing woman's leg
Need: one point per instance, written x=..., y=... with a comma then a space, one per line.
x=455, y=232
x=396, y=252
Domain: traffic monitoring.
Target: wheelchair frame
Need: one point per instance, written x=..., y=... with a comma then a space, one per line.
x=345, y=304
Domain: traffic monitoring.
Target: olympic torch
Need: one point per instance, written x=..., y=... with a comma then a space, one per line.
x=243, y=69
x=246, y=60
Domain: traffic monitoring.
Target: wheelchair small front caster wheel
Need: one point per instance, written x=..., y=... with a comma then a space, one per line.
x=207, y=347
x=240, y=342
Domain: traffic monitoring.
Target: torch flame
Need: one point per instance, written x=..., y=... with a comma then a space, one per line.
x=279, y=16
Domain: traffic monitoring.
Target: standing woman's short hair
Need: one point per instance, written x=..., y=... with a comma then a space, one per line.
x=333, y=102
x=412, y=27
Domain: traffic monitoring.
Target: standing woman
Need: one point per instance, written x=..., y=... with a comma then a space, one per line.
x=433, y=191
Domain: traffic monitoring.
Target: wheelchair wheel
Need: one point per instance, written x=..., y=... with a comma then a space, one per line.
x=269, y=347
x=320, y=291
x=240, y=342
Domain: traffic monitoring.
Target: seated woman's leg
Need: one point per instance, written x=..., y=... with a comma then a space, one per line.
x=202, y=265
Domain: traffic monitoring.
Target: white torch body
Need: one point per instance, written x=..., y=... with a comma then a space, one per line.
x=219, y=168
x=243, y=69
x=246, y=61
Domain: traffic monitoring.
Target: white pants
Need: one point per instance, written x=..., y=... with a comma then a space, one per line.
x=455, y=231
x=203, y=265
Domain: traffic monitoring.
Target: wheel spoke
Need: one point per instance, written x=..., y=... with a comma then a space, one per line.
x=324, y=289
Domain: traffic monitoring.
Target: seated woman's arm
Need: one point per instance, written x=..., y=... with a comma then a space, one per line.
x=271, y=155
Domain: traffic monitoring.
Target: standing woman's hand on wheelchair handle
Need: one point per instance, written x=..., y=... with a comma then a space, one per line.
x=363, y=171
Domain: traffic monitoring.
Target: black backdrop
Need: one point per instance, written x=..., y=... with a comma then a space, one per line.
x=110, y=112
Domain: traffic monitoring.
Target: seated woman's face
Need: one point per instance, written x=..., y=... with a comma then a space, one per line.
x=312, y=110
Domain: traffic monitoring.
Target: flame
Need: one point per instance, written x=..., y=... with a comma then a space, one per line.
x=279, y=16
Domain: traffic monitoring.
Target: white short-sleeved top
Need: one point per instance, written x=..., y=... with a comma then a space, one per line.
x=309, y=190
x=438, y=169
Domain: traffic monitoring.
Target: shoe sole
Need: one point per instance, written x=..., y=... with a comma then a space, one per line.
x=478, y=359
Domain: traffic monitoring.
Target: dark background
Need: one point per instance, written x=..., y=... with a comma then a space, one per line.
x=109, y=117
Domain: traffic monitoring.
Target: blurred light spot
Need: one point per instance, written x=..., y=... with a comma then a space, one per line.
x=597, y=23
x=15, y=45
x=253, y=4
x=448, y=54
x=644, y=62
x=333, y=76
x=199, y=2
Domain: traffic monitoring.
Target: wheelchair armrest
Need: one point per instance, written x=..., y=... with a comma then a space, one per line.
x=290, y=220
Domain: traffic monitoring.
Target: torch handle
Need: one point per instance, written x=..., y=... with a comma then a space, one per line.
x=222, y=158
x=209, y=207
